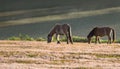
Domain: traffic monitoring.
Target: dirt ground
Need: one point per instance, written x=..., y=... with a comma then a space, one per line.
x=41, y=55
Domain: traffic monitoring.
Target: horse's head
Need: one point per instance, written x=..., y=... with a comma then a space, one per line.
x=90, y=35
x=49, y=38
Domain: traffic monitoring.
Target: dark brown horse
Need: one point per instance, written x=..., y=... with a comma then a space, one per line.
x=100, y=32
x=58, y=29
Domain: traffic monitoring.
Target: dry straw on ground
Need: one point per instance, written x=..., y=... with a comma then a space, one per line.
x=40, y=55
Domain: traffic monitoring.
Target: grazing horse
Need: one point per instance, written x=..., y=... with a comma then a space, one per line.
x=59, y=29
x=100, y=32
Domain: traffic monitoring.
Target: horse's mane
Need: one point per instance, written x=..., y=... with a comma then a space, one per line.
x=52, y=31
x=92, y=32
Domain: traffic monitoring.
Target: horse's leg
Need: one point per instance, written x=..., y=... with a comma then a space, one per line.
x=57, y=37
x=70, y=39
x=69, y=35
x=67, y=39
x=96, y=38
x=99, y=40
x=109, y=38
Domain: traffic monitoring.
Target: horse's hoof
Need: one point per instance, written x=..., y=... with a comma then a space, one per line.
x=71, y=42
x=58, y=42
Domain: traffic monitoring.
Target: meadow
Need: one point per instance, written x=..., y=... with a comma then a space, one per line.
x=41, y=55
x=24, y=25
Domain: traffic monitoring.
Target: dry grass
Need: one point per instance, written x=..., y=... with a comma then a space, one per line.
x=40, y=55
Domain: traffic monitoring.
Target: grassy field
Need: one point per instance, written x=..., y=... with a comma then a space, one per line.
x=40, y=55
x=31, y=20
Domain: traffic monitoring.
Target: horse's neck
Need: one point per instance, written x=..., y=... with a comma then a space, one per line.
x=91, y=35
x=92, y=32
x=52, y=32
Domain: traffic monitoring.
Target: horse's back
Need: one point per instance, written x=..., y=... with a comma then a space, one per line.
x=102, y=31
x=62, y=25
x=62, y=28
x=105, y=29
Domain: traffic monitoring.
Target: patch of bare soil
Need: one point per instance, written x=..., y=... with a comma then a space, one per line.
x=41, y=55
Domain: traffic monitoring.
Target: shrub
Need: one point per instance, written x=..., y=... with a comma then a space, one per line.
x=40, y=39
x=76, y=39
x=79, y=39
x=14, y=38
x=117, y=41
x=21, y=37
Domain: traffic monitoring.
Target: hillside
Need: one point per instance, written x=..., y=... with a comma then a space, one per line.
x=36, y=18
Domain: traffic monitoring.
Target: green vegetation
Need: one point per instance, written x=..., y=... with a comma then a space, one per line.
x=25, y=37
x=75, y=39
x=21, y=37
x=28, y=38
x=79, y=39
x=40, y=39
x=117, y=41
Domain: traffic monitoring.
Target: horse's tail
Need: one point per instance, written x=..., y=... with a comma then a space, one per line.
x=113, y=35
x=70, y=33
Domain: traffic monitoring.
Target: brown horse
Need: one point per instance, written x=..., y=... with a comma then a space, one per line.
x=58, y=29
x=100, y=32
